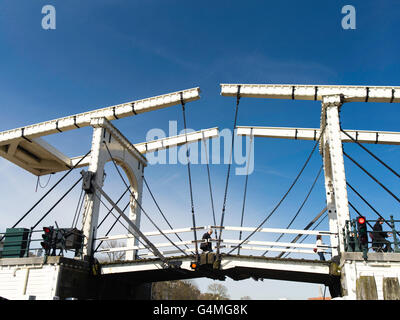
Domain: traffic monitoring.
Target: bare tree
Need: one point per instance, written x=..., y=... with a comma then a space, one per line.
x=175, y=290
x=216, y=292
x=187, y=290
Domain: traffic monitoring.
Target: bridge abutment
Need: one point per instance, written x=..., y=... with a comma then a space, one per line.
x=58, y=277
x=374, y=279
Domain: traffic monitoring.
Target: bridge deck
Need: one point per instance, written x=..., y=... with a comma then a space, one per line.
x=233, y=266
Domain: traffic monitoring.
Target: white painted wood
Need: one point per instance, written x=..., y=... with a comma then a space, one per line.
x=161, y=144
x=110, y=113
x=20, y=282
x=314, y=92
x=226, y=228
x=175, y=141
x=105, y=135
x=337, y=175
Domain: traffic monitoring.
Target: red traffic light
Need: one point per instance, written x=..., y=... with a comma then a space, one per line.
x=46, y=229
x=193, y=265
x=361, y=220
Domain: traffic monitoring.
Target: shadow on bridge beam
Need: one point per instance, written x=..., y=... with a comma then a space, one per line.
x=233, y=266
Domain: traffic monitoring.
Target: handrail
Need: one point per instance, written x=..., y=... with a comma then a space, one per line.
x=354, y=244
x=228, y=243
x=23, y=247
x=226, y=228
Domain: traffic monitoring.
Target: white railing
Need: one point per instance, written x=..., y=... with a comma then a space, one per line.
x=189, y=245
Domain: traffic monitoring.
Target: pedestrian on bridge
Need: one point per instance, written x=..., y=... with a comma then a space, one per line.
x=379, y=237
x=318, y=249
x=206, y=246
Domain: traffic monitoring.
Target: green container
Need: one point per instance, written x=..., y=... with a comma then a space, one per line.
x=15, y=242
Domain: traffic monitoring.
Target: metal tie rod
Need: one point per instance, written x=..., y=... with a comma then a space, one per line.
x=131, y=224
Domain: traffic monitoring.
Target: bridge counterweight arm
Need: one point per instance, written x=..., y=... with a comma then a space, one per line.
x=314, y=92
x=165, y=143
x=110, y=113
x=160, y=144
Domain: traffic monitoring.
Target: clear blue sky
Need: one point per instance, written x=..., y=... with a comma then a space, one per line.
x=108, y=52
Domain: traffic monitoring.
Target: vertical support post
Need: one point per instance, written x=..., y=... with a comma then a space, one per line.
x=134, y=216
x=28, y=242
x=330, y=203
x=357, y=245
x=92, y=200
x=330, y=199
x=108, y=144
x=395, y=241
x=335, y=178
x=346, y=236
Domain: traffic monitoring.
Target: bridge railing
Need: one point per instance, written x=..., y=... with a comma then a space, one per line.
x=21, y=242
x=24, y=242
x=166, y=248
x=386, y=240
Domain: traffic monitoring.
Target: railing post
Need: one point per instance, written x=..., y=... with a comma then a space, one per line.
x=28, y=244
x=356, y=240
x=345, y=237
x=395, y=241
x=350, y=236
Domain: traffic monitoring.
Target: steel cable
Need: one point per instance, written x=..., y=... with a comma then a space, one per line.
x=372, y=177
x=51, y=189
x=109, y=212
x=301, y=206
x=373, y=155
x=306, y=236
x=159, y=209
x=245, y=186
x=78, y=210
x=113, y=225
x=308, y=226
x=209, y=185
x=367, y=203
x=189, y=176
x=284, y=196
x=228, y=173
x=137, y=202
x=117, y=220
x=59, y=200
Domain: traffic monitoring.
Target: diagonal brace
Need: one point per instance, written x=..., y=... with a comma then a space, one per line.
x=131, y=224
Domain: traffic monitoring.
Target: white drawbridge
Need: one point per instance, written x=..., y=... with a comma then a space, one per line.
x=25, y=148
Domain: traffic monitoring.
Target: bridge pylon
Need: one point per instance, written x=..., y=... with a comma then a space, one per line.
x=351, y=265
x=109, y=144
x=334, y=170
